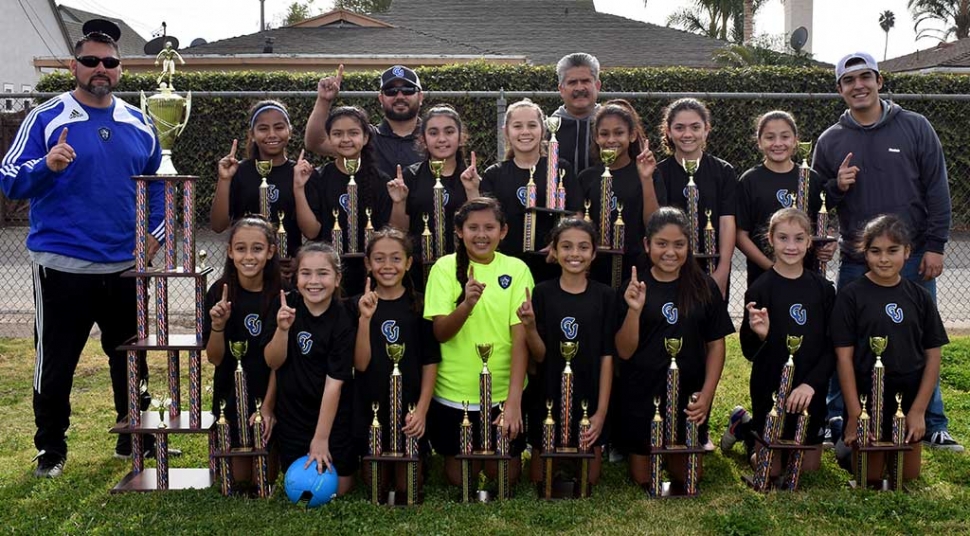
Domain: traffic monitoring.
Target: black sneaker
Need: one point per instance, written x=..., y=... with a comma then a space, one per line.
x=942, y=440
x=49, y=465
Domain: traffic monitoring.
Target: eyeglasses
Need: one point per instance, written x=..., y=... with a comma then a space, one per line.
x=407, y=91
x=93, y=61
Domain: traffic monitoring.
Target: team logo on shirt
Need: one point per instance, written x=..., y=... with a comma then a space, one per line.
x=784, y=198
x=569, y=327
x=447, y=197
x=798, y=314
x=391, y=331
x=504, y=281
x=253, y=324
x=274, y=193
x=344, y=201
x=521, y=194
x=305, y=341
x=669, y=310
x=105, y=133
x=895, y=312
x=613, y=203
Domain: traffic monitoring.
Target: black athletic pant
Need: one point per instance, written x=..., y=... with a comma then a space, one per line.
x=67, y=307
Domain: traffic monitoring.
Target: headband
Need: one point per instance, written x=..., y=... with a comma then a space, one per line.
x=261, y=109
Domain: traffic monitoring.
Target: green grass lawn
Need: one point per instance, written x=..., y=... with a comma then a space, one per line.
x=939, y=502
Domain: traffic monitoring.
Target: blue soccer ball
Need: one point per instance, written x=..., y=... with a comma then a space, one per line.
x=309, y=485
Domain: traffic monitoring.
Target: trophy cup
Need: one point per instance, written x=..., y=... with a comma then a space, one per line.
x=693, y=200
x=281, y=236
x=352, y=165
x=337, y=234
x=395, y=352
x=264, y=168
x=238, y=350
x=568, y=349
x=663, y=435
x=552, y=168
x=608, y=156
x=804, y=177
x=438, y=198
x=170, y=113
x=485, y=452
x=529, y=230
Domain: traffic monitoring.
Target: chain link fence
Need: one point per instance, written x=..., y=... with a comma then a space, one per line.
x=219, y=117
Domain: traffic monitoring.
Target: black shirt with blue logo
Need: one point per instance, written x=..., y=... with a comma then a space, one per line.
x=394, y=322
x=317, y=347
x=244, y=199
x=761, y=193
x=906, y=313
x=586, y=318
x=245, y=326
x=798, y=307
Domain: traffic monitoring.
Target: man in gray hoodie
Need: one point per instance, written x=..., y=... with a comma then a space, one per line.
x=882, y=159
x=579, y=86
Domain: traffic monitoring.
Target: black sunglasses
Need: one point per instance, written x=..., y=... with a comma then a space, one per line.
x=406, y=90
x=93, y=61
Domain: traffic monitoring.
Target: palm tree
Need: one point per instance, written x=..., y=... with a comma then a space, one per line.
x=953, y=14
x=748, y=21
x=887, y=19
x=719, y=19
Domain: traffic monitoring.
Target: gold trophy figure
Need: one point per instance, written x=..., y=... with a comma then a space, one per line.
x=225, y=445
x=264, y=168
x=608, y=156
x=804, y=177
x=710, y=243
x=485, y=397
x=552, y=168
x=395, y=352
x=353, y=199
x=238, y=350
x=586, y=216
x=438, y=200
x=878, y=346
x=337, y=234
x=260, y=464
x=369, y=227
x=568, y=349
x=168, y=56
x=529, y=218
x=671, y=415
x=693, y=202
x=281, y=236
x=899, y=439
x=375, y=448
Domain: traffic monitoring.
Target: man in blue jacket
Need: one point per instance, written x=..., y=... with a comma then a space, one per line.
x=73, y=157
x=882, y=159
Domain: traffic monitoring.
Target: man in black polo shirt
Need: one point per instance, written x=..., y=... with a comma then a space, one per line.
x=394, y=139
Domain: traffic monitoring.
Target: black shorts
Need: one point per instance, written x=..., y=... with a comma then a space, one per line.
x=636, y=409
x=907, y=384
x=342, y=450
x=444, y=428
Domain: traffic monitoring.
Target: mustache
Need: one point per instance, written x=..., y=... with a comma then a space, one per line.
x=580, y=93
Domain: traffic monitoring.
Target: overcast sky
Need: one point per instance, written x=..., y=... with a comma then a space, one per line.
x=835, y=32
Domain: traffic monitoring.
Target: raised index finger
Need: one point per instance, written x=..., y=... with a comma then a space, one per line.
x=282, y=298
x=400, y=175
x=473, y=161
x=63, y=137
x=634, y=276
x=225, y=292
x=340, y=74
x=471, y=272
x=366, y=285
x=845, y=163
x=301, y=156
x=235, y=146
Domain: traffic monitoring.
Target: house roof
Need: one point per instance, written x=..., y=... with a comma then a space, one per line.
x=541, y=30
x=945, y=56
x=130, y=44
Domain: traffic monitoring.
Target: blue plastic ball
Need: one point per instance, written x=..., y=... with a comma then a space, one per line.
x=307, y=484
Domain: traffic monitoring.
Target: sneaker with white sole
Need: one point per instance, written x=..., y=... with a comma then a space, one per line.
x=614, y=455
x=49, y=465
x=738, y=416
x=942, y=440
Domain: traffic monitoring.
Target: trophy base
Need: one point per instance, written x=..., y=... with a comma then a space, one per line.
x=563, y=489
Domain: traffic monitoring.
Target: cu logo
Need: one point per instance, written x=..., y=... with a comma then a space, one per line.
x=784, y=198
x=569, y=327
x=305, y=342
x=391, y=331
x=344, y=201
x=274, y=193
x=520, y=193
x=895, y=313
x=670, y=312
x=253, y=324
x=798, y=314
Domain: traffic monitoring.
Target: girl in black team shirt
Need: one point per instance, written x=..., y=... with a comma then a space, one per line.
x=617, y=126
x=506, y=181
x=238, y=304
x=675, y=300
x=883, y=304
x=237, y=190
x=318, y=197
x=788, y=299
x=684, y=130
x=571, y=308
x=392, y=313
x=310, y=345
x=771, y=186
x=442, y=135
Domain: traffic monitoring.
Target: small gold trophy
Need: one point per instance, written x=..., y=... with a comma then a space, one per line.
x=608, y=156
x=264, y=168
x=804, y=176
x=878, y=346
x=281, y=236
x=352, y=165
x=568, y=349
x=673, y=347
x=485, y=397
x=693, y=201
x=238, y=350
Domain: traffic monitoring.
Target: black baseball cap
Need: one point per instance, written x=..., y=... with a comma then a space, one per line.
x=400, y=72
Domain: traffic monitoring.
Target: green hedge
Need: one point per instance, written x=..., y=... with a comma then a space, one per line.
x=216, y=121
